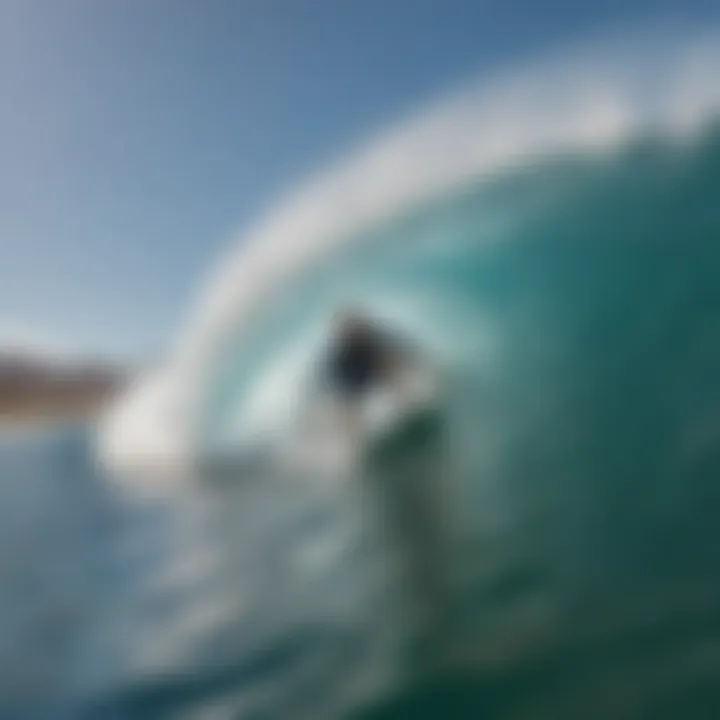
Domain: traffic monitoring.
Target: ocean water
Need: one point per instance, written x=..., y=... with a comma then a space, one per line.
x=574, y=307
x=226, y=598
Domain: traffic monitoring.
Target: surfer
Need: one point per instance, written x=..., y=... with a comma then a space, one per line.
x=361, y=358
x=407, y=467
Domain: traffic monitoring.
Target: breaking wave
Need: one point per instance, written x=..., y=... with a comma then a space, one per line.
x=408, y=225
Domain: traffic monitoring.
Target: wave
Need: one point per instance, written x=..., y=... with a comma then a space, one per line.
x=584, y=102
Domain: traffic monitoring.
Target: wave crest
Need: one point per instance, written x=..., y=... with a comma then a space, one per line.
x=589, y=100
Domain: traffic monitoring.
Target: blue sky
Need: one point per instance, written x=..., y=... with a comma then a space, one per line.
x=138, y=136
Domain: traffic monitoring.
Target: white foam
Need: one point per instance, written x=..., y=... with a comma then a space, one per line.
x=586, y=98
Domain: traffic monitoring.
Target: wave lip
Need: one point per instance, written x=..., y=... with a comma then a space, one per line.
x=144, y=430
x=590, y=99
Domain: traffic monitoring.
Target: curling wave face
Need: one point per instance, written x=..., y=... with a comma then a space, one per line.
x=468, y=226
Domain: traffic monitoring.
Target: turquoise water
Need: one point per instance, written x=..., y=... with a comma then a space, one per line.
x=574, y=307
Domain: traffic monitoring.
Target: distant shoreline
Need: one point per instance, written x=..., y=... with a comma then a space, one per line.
x=37, y=392
x=24, y=416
